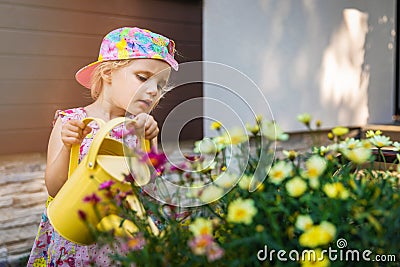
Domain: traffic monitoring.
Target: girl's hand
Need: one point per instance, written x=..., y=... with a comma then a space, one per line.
x=145, y=126
x=73, y=132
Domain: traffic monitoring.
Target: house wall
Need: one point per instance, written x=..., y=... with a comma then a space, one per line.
x=332, y=59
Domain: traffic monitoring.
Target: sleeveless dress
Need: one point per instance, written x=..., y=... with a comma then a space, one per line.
x=51, y=249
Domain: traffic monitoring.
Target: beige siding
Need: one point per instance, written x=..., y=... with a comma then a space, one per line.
x=44, y=42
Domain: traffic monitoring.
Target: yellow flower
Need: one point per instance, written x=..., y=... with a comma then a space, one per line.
x=226, y=180
x=201, y=226
x=234, y=136
x=371, y=133
x=259, y=228
x=279, y=172
x=245, y=181
x=358, y=155
x=318, y=235
x=241, y=211
x=254, y=129
x=291, y=155
x=315, y=166
x=336, y=190
x=216, y=125
x=304, y=222
x=315, y=258
x=318, y=123
x=296, y=187
x=304, y=118
x=211, y=193
x=340, y=131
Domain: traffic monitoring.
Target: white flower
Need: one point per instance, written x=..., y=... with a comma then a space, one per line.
x=358, y=155
x=206, y=146
x=296, y=187
x=315, y=166
x=303, y=222
x=279, y=172
x=226, y=180
x=245, y=181
x=380, y=141
x=272, y=131
x=211, y=193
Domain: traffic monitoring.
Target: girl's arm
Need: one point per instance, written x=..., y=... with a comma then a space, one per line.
x=61, y=140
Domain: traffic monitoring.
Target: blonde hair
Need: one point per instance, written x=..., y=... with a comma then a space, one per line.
x=96, y=81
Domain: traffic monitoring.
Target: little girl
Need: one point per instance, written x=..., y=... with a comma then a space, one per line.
x=123, y=80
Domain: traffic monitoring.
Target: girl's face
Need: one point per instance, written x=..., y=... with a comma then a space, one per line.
x=137, y=87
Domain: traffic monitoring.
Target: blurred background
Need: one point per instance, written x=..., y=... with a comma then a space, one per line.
x=336, y=60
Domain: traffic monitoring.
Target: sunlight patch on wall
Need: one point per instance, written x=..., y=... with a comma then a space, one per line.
x=344, y=80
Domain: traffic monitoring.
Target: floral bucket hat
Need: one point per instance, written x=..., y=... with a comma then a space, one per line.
x=130, y=43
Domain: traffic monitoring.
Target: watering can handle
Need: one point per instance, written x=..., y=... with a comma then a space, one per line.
x=74, y=155
x=101, y=134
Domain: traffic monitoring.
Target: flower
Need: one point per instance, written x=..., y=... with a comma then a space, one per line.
x=336, y=190
x=396, y=146
x=380, y=141
x=206, y=146
x=137, y=242
x=226, y=180
x=216, y=125
x=106, y=185
x=304, y=118
x=200, y=243
x=358, y=155
x=234, y=136
x=254, y=129
x=214, y=252
x=93, y=199
x=272, y=131
x=371, y=133
x=82, y=215
x=315, y=166
x=291, y=155
x=201, y=226
x=318, y=235
x=296, y=187
x=279, y=172
x=314, y=258
x=157, y=160
x=241, y=211
x=245, y=181
x=340, y=131
x=304, y=222
x=211, y=193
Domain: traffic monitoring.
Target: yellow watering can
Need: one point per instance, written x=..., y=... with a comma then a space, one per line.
x=104, y=161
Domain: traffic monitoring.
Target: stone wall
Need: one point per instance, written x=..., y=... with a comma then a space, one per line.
x=22, y=200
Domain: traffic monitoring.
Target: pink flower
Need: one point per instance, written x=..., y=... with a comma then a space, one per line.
x=106, y=185
x=82, y=215
x=200, y=243
x=93, y=199
x=214, y=252
x=157, y=160
x=135, y=243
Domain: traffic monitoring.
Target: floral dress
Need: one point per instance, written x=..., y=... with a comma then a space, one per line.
x=51, y=249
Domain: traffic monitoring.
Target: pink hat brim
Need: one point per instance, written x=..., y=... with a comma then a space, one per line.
x=84, y=75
